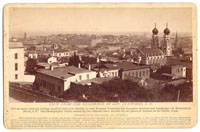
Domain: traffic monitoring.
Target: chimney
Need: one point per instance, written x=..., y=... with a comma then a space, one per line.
x=51, y=68
x=25, y=35
x=53, y=54
x=89, y=67
x=79, y=65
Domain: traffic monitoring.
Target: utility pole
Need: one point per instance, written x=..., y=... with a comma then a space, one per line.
x=178, y=97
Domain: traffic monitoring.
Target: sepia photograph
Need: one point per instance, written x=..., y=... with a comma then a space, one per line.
x=100, y=54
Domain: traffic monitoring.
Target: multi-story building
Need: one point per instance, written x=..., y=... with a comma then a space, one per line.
x=60, y=53
x=151, y=56
x=105, y=70
x=174, y=71
x=56, y=80
x=16, y=61
x=32, y=54
x=131, y=70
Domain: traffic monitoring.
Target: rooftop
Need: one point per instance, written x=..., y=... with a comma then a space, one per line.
x=45, y=64
x=64, y=72
x=151, y=51
x=15, y=45
x=94, y=80
x=129, y=66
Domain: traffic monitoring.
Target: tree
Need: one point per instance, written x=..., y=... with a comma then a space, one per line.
x=74, y=60
x=30, y=65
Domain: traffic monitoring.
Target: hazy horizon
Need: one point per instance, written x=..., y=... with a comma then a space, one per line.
x=49, y=21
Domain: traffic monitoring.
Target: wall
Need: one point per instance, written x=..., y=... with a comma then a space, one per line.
x=154, y=60
x=84, y=76
x=57, y=82
x=139, y=73
x=19, y=61
x=179, y=71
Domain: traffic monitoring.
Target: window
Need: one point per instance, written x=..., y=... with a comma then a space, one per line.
x=16, y=66
x=80, y=77
x=88, y=76
x=124, y=74
x=136, y=74
x=48, y=85
x=44, y=84
x=140, y=74
x=59, y=89
x=147, y=73
x=16, y=76
x=16, y=56
x=40, y=82
x=53, y=87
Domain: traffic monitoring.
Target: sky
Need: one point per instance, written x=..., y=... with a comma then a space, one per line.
x=44, y=21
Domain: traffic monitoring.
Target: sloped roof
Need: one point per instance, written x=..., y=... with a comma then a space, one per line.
x=15, y=45
x=151, y=51
x=130, y=66
x=64, y=72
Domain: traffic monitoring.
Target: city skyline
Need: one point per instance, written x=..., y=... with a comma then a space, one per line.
x=38, y=21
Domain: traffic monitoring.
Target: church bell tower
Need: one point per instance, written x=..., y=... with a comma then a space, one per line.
x=155, y=39
x=167, y=49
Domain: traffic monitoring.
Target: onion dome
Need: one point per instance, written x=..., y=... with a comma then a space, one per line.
x=155, y=30
x=166, y=31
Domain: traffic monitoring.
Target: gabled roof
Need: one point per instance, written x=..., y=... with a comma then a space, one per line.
x=151, y=51
x=15, y=45
x=64, y=72
x=130, y=66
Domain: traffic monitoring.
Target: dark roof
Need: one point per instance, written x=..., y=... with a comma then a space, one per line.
x=130, y=66
x=64, y=72
x=45, y=64
x=61, y=50
x=111, y=66
x=172, y=62
x=151, y=51
x=15, y=45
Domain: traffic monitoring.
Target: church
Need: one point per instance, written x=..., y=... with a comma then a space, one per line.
x=166, y=45
x=157, y=52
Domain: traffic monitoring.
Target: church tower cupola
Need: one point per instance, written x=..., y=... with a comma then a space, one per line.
x=155, y=30
x=167, y=47
x=155, y=38
x=166, y=31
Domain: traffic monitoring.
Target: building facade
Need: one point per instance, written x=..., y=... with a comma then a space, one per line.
x=55, y=81
x=151, y=56
x=174, y=72
x=16, y=62
x=130, y=70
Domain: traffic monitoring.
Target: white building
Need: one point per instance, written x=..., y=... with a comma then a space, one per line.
x=16, y=61
x=51, y=60
x=32, y=55
x=56, y=80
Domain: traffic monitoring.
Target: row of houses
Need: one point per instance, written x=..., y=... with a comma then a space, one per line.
x=53, y=52
x=56, y=80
